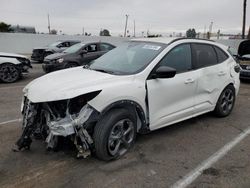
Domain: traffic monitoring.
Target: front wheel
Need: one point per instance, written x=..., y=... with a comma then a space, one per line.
x=114, y=134
x=225, y=102
x=70, y=65
x=9, y=73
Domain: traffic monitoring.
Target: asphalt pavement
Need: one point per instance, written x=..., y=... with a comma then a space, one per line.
x=193, y=153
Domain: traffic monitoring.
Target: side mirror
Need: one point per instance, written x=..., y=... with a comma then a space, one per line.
x=59, y=46
x=164, y=72
x=83, y=52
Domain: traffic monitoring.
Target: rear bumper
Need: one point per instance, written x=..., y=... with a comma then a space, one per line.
x=37, y=55
x=245, y=74
x=37, y=58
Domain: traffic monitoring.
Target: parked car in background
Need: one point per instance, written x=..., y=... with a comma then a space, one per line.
x=140, y=86
x=76, y=55
x=244, y=59
x=13, y=66
x=39, y=54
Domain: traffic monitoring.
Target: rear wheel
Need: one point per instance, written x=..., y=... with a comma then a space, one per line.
x=114, y=134
x=225, y=102
x=9, y=73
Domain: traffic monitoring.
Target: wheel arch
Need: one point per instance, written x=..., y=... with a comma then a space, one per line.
x=72, y=61
x=142, y=126
x=229, y=84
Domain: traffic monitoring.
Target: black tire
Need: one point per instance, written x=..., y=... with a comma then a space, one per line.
x=108, y=134
x=70, y=65
x=225, y=102
x=9, y=73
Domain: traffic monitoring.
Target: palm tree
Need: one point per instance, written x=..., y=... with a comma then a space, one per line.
x=244, y=18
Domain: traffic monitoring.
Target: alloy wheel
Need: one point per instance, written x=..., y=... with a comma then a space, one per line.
x=227, y=101
x=121, y=136
x=8, y=73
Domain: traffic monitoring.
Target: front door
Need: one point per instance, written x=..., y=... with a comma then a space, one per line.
x=92, y=53
x=172, y=100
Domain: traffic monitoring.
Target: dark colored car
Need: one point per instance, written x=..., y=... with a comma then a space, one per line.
x=39, y=54
x=79, y=54
x=244, y=59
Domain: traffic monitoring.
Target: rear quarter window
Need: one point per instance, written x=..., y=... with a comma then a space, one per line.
x=221, y=55
x=204, y=55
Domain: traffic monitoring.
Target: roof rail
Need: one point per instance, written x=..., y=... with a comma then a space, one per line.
x=183, y=38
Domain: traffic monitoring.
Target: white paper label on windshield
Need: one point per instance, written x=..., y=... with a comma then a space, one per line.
x=151, y=47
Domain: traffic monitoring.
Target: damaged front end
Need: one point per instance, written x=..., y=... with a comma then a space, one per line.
x=73, y=118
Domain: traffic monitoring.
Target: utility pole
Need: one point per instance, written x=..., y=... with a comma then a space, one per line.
x=134, y=28
x=48, y=23
x=211, y=28
x=205, y=30
x=126, y=24
x=244, y=18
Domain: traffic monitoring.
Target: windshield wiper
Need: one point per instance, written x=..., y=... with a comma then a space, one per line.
x=104, y=71
x=86, y=67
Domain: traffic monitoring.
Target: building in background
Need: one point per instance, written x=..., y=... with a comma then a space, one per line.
x=22, y=29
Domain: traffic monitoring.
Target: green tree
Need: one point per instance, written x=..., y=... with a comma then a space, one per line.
x=105, y=32
x=4, y=27
x=191, y=33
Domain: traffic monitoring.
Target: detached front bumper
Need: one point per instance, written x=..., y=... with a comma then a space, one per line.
x=24, y=65
x=45, y=122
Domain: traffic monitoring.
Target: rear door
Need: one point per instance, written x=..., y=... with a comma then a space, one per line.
x=171, y=100
x=211, y=64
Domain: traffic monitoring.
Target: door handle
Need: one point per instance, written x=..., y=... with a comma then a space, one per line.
x=189, y=81
x=221, y=73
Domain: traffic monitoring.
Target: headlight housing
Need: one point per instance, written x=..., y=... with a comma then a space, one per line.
x=60, y=60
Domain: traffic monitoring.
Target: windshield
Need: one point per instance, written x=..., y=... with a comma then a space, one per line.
x=74, y=48
x=55, y=44
x=129, y=58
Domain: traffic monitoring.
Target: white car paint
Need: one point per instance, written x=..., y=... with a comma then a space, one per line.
x=170, y=100
x=12, y=55
x=10, y=58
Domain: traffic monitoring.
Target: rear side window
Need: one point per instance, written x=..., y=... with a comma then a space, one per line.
x=222, y=56
x=204, y=55
x=178, y=58
x=105, y=47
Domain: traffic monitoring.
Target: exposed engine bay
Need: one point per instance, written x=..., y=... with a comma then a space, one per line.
x=72, y=118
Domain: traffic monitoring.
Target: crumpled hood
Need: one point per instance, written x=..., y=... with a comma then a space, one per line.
x=70, y=83
x=4, y=54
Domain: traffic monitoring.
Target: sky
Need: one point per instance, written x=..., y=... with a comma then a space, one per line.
x=155, y=16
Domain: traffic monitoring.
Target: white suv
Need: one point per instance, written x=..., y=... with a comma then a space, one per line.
x=138, y=87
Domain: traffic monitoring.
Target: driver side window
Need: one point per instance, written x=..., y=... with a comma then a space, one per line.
x=178, y=58
x=91, y=48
